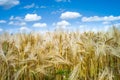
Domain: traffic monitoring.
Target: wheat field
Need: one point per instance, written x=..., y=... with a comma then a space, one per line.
x=60, y=55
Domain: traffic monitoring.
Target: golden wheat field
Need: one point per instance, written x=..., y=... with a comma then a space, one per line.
x=60, y=55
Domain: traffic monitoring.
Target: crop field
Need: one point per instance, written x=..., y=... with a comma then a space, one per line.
x=60, y=55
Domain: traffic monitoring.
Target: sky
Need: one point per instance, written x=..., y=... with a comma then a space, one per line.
x=48, y=15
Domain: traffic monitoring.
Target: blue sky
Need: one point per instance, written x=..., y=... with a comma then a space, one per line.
x=42, y=15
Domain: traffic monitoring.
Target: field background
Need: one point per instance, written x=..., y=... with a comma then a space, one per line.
x=60, y=55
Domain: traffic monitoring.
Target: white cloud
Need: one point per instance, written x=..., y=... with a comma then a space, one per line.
x=82, y=26
x=61, y=24
x=70, y=15
x=23, y=23
x=29, y=6
x=11, y=23
x=24, y=28
x=32, y=17
x=39, y=25
x=34, y=6
x=1, y=29
x=2, y=21
x=16, y=18
x=62, y=0
x=106, y=22
x=42, y=6
x=58, y=11
x=9, y=3
x=12, y=17
x=94, y=28
x=17, y=23
x=97, y=18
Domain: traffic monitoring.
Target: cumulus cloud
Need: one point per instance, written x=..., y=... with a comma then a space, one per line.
x=9, y=3
x=29, y=6
x=70, y=15
x=106, y=22
x=62, y=24
x=1, y=29
x=24, y=28
x=97, y=18
x=33, y=5
x=39, y=25
x=3, y=21
x=32, y=17
x=17, y=23
x=16, y=18
x=58, y=11
x=62, y=0
x=23, y=23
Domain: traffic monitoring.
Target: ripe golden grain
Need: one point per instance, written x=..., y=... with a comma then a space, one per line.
x=60, y=55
